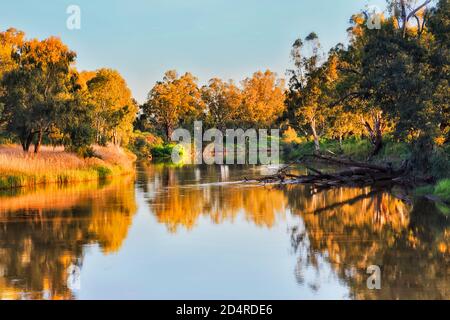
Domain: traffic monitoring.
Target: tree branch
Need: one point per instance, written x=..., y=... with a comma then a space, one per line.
x=413, y=13
x=349, y=96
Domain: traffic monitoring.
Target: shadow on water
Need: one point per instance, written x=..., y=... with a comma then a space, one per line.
x=44, y=233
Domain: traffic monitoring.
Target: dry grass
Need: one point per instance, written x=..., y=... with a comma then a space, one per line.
x=116, y=156
x=54, y=165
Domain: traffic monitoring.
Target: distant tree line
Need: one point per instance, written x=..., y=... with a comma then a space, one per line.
x=391, y=80
x=178, y=101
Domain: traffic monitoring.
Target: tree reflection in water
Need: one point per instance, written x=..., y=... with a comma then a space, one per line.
x=411, y=245
x=45, y=232
x=347, y=228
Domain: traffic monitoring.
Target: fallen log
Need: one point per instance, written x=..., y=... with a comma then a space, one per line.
x=355, y=174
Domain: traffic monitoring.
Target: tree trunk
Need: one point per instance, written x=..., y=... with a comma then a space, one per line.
x=114, y=137
x=26, y=141
x=316, y=137
x=169, y=131
x=37, y=145
x=375, y=133
x=404, y=17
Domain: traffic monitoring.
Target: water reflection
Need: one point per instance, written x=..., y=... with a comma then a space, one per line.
x=46, y=235
x=352, y=229
x=178, y=198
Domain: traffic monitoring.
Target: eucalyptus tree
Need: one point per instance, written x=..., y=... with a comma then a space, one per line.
x=37, y=90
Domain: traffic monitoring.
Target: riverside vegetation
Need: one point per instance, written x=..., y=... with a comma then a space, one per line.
x=381, y=98
x=54, y=165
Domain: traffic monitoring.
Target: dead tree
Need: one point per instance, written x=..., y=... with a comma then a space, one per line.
x=355, y=174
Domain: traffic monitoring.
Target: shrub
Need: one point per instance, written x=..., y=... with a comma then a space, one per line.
x=142, y=143
x=442, y=190
x=104, y=172
x=162, y=151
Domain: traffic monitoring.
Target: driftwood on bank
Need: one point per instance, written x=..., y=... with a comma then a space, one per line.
x=354, y=174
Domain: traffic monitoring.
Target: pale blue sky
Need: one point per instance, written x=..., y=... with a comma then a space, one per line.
x=142, y=39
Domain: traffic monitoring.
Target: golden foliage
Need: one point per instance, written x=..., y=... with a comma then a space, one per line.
x=115, y=109
x=291, y=136
x=263, y=99
x=183, y=207
x=355, y=228
x=46, y=231
x=173, y=99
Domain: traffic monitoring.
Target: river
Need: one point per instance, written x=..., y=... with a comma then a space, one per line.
x=192, y=232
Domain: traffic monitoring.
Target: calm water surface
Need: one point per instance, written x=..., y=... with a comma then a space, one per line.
x=191, y=233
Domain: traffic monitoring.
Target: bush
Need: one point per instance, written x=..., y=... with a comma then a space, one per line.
x=85, y=151
x=440, y=163
x=442, y=190
x=103, y=172
x=162, y=151
x=142, y=143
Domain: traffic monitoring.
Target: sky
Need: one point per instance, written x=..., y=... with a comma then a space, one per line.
x=229, y=39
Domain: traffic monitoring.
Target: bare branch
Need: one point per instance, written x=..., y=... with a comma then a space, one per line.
x=414, y=12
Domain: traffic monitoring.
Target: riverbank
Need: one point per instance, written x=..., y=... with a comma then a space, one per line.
x=439, y=194
x=393, y=153
x=360, y=149
x=354, y=148
x=55, y=165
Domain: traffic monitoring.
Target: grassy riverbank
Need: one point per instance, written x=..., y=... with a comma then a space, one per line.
x=354, y=148
x=392, y=152
x=54, y=165
x=439, y=193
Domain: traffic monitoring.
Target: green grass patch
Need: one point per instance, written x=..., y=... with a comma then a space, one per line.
x=442, y=190
x=354, y=148
x=104, y=172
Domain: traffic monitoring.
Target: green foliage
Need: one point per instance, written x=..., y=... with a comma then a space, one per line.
x=440, y=163
x=103, y=172
x=115, y=110
x=142, y=143
x=354, y=148
x=37, y=89
x=85, y=151
x=6, y=138
x=163, y=152
x=42, y=97
x=81, y=136
x=13, y=181
x=441, y=190
x=392, y=80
